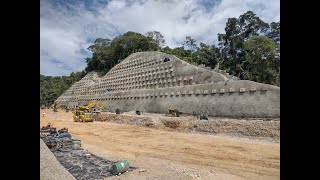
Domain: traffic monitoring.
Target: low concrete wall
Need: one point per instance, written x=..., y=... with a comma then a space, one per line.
x=263, y=102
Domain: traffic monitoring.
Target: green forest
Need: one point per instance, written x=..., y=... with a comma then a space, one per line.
x=249, y=49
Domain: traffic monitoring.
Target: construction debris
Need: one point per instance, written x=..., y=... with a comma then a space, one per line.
x=118, y=111
x=174, y=112
x=119, y=167
x=58, y=139
x=80, y=163
x=84, y=166
x=142, y=170
x=203, y=117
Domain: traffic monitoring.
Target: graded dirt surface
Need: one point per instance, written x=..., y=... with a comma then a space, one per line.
x=160, y=154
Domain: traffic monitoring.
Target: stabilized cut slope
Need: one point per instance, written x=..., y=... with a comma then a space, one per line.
x=155, y=82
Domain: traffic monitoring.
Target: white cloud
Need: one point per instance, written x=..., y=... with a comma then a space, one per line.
x=67, y=30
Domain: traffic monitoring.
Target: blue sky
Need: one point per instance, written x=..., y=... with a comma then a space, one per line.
x=68, y=27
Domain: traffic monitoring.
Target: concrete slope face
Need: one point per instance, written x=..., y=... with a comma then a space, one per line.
x=155, y=82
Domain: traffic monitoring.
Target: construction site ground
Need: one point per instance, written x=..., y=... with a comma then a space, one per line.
x=163, y=154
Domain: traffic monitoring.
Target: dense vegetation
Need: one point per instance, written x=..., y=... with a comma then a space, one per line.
x=52, y=87
x=249, y=49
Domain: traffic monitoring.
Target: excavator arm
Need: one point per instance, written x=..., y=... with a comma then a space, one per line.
x=91, y=104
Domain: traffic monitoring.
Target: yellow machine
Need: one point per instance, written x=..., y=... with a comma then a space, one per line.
x=83, y=113
x=93, y=107
x=81, y=116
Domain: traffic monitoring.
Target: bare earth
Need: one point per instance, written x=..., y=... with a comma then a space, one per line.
x=160, y=154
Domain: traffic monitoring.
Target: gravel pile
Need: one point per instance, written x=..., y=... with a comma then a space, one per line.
x=254, y=128
x=50, y=168
x=258, y=129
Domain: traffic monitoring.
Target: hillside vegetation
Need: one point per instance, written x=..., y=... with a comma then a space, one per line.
x=249, y=49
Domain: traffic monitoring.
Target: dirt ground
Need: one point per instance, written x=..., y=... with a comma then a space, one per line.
x=159, y=154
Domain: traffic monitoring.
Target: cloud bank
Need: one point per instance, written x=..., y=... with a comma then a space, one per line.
x=68, y=27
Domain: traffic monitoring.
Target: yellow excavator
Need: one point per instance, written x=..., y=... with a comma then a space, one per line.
x=83, y=113
x=93, y=107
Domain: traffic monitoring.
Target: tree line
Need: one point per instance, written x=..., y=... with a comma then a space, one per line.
x=249, y=49
x=51, y=87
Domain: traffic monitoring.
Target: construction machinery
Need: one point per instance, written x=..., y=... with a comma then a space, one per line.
x=55, y=107
x=174, y=112
x=118, y=111
x=81, y=116
x=92, y=107
x=84, y=113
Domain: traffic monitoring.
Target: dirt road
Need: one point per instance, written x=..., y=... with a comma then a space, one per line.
x=173, y=155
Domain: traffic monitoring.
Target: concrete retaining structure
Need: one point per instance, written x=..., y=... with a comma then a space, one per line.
x=144, y=81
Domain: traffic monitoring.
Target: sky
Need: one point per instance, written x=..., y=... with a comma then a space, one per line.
x=69, y=27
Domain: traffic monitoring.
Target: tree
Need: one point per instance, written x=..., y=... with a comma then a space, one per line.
x=99, y=43
x=260, y=63
x=274, y=33
x=107, y=53
x=252, y=25
x=156, y=37
x=238, y=31
x=231, y=45
x=191, y=43
x=206, y=54
x=51, y=87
